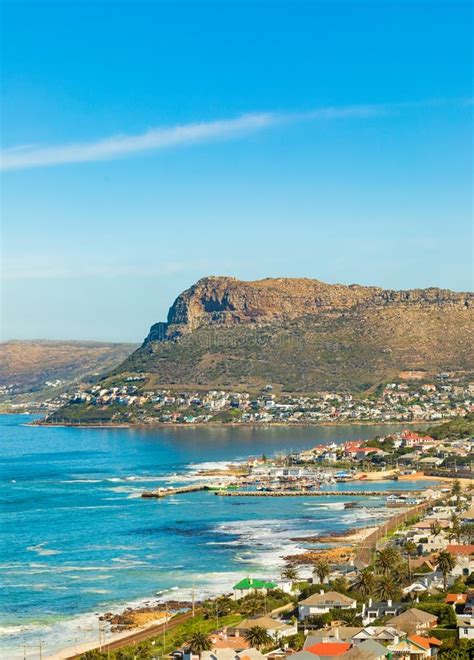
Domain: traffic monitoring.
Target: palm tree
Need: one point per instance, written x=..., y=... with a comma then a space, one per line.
x=456, y=490
x=445, y=562
x=386, y=588
x=387, y=560
x=289, y=573
x=456, y=529
x=350, y=617
x=322, y=569
x=365, y=581
x=199, y=642
x=410, y=548
x=257, y=637
x=467, y=530
x=435, y=528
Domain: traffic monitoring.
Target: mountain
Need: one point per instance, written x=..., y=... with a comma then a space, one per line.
x=28, y=364
x=304, y=335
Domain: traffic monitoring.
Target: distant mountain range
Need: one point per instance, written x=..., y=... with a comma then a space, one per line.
x=29, y=364
x=304, y=335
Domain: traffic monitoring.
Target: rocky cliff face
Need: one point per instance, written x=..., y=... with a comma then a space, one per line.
x=304, y=335
x=226, y=301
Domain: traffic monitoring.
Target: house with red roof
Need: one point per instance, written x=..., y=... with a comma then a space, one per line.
x=411, y=439
x=329, y=649
x=415, y=647
x=455, y=599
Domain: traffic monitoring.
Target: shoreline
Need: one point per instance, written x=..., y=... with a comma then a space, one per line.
x=260, y=425
x=343, y=547
x=339, y=552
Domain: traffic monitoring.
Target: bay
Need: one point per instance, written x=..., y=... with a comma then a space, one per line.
x=77, y=539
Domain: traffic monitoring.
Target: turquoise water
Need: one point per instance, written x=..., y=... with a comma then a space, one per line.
x=77, y=539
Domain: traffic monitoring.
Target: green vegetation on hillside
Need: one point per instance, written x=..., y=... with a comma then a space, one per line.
x=459, y=427
x=352, y=351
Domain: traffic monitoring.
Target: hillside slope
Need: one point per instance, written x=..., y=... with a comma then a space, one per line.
x=303, y=335
x=28, y=364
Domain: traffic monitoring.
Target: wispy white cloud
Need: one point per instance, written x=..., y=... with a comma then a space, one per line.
x=120, y=146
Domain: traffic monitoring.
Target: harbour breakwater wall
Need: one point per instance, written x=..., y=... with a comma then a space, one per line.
x=308, y=493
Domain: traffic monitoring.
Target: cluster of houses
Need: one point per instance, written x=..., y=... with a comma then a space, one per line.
x=400, y=630
x=406, y=634
x=444, y=398
x=406, y=450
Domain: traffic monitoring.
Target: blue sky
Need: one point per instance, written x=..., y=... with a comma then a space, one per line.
x=148, y=144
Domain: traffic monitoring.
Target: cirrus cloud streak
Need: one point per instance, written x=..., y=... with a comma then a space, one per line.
x=121, y=146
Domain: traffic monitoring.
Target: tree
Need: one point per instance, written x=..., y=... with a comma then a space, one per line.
x=410, y=549
x=435, y=528
x=144, y=651
x=365, y=582
x=386, y=588
x=252, y=604
x=319, y=621
x=289, y=573
x=387, y=560
x=456, y=489
x=467, y=530
x=349, y=616
x=321, y=569
x=221, y=606
x=296, y=642
x=257, y=637
x=445, y=562
x=456, y=528
x=199, y=642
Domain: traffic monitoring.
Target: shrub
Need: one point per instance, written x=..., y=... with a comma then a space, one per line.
x=445, y=613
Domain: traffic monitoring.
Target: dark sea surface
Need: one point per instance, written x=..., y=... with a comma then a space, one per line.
x=77, y=539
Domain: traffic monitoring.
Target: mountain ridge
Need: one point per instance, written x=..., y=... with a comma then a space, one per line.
x=302, y=334
x=29, y=363
x=223, y=300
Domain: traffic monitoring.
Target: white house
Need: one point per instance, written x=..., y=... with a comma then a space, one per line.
x=323, y=602
x=464, y=558
x=252, y=586
x=466, y=627
x=275, y=628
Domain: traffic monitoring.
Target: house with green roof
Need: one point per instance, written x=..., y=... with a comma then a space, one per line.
x=251, y=586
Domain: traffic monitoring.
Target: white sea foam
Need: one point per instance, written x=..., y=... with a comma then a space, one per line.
x=324, y=505
x=268, y=541
x=42, y=551
x=211, y=465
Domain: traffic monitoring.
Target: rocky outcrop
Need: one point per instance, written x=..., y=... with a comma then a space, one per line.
x=226, y=301
x=304, y=335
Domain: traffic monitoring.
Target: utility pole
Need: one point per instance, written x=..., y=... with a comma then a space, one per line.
x=193, y=601
x=164, y=627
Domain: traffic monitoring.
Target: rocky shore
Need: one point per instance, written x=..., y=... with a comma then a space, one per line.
x=136, y=617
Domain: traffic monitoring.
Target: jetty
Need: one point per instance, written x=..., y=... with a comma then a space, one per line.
x=165, y=492
x=307, y=493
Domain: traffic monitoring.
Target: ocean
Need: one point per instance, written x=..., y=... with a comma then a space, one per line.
x=77, y=539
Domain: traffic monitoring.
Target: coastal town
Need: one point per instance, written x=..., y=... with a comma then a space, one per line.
x=134, y=400
x=402, y=590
